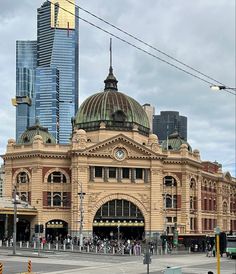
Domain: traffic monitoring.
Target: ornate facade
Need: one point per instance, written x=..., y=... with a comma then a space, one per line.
x=113, y=173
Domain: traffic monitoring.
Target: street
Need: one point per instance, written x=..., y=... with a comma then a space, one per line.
x=67, y=262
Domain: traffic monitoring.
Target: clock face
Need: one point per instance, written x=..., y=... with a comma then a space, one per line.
x=120, y=154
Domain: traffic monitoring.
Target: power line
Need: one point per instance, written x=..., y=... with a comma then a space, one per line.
x=143, y=42
x=140, y=49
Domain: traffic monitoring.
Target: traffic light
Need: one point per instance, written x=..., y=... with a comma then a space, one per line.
x=38, y=229
x=223, y=241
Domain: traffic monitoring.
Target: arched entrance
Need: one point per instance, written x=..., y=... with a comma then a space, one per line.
x=56, y=230
x=23, y=230
x=119, y=219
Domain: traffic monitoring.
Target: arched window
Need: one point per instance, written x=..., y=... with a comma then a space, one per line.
x=56, y=177
x=169, y=181
x=22, y=178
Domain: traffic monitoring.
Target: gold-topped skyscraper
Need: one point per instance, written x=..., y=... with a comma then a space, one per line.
x=63, y=17
x=53, y=75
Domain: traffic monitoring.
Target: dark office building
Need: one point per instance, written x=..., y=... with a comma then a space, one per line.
x=168, y=122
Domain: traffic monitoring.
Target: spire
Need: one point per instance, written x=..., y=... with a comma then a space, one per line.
x=110, y=82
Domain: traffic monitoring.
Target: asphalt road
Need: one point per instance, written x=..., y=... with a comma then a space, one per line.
x=73, y=263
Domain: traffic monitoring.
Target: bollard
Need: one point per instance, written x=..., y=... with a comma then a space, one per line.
x=41, y=245
x=123, y=250
x=64, y=247
x=0, y=243
x=113, y=250
x=104, y=250
x=96, y=249
x=49, y=246
x=88, y=248
x=56, y=246
x=1, y=268
x=7, y=243
x=20, y=244
x=29, y=266
x=27, y=244
x=80, y=248
x=34, y=245
x=189, y=250
x=72, y=247
x=130, y=251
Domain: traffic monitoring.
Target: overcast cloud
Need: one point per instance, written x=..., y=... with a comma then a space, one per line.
x=200, y=33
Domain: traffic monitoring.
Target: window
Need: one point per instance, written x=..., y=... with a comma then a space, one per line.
x=205, y=204
x=98, y=171
x=112, y=172
x=139, y=173
x=192, y=183
x=168, y=201
x=169, y=219
x=61, y=199
x=57, y=199
x=214, y=204
x=22, y=178
x=171, y=201
x=56, y=177
x=24, y=196
x=191, y=202
x=119, y=209
x=169, y=181
x=125, y=173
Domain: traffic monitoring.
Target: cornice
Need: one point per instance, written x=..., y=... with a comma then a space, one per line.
x=35, y=154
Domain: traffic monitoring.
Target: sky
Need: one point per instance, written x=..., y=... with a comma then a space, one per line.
x=199, y=33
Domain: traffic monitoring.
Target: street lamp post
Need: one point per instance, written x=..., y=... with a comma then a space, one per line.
x=15, y=202
x=81, y=195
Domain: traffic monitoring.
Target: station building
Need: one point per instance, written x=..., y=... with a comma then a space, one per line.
x=114, y=175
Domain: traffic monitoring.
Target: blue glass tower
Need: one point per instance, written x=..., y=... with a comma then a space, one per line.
x=48, y=68
x=57, y=70
x=26, y=61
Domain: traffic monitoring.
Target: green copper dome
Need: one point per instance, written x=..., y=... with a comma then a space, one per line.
x=116, y=110
x=27, y=137
x=174, y=142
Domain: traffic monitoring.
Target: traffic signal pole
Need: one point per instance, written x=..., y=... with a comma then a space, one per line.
x=218, y=252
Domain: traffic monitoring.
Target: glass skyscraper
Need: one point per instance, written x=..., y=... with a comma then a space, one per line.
x=26, y=62
x=167, y=123
x=56, y=74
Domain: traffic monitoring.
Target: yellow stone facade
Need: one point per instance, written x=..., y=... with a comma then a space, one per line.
x=204, y=198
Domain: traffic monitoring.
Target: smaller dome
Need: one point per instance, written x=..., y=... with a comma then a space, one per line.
x=175, y=141
x=36, y=132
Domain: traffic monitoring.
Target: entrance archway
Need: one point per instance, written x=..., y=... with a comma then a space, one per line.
x=23, y=230
x=56, y=230
x=119, y=219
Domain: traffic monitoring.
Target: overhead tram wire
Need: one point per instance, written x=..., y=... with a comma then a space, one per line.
x=140, y=49
x=143, y=42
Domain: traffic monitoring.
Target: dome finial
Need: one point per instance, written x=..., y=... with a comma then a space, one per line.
x=110, y=82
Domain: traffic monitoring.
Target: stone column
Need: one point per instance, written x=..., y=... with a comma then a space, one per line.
x=199, y=204
x=6, y=226
x=185, y=205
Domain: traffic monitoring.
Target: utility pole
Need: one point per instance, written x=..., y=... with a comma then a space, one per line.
x=81, y=195
x=15, y=202
x=15, y=220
